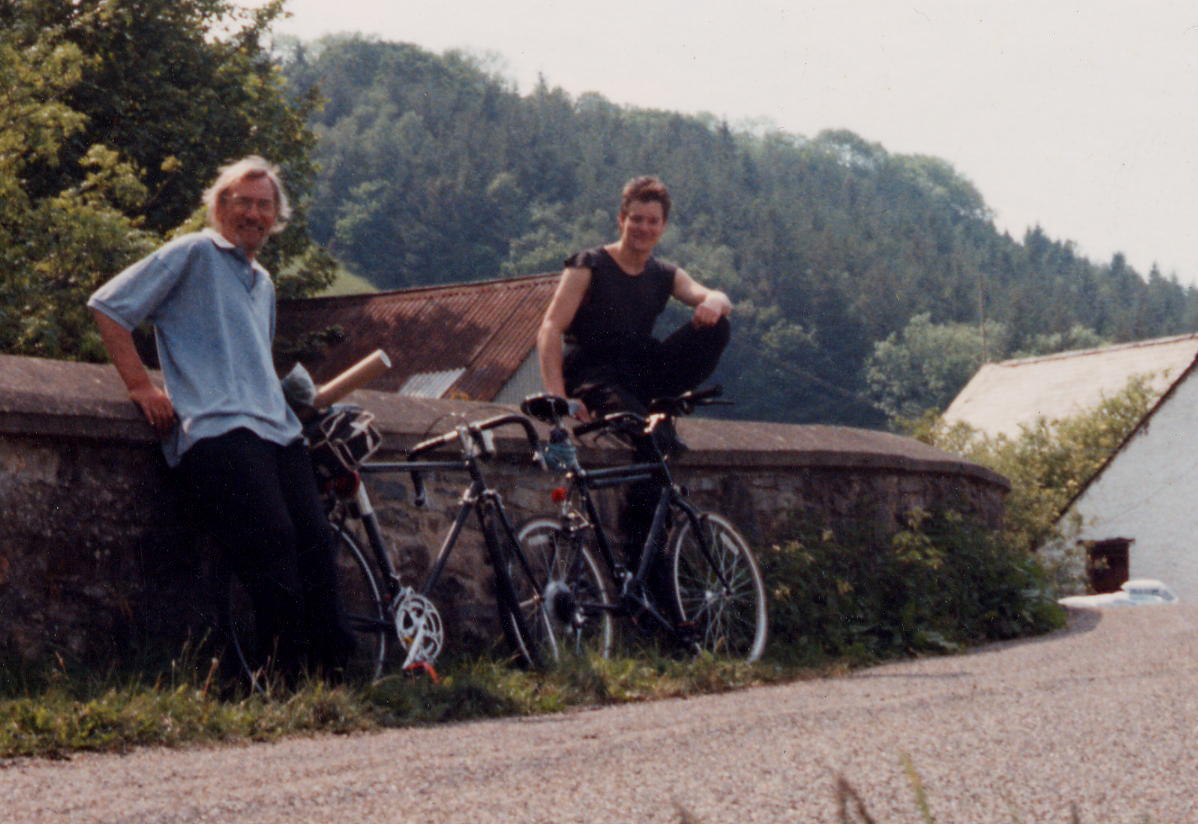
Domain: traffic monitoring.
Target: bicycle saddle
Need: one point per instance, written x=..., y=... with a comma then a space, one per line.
x=546, y=407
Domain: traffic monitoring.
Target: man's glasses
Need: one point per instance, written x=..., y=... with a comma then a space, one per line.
x=243, y=204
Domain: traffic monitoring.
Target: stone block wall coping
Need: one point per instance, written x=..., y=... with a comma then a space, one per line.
x=41, y=397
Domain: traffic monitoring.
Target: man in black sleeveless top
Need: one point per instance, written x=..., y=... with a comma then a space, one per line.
x=596, y=343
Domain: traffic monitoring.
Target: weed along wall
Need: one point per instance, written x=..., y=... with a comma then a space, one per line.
x=98, y=558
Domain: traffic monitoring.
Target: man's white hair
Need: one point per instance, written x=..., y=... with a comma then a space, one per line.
x=251, y=167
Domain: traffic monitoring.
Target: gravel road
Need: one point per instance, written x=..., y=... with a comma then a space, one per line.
x=1101, y=715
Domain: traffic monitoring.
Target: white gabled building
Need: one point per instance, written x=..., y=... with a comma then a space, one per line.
x=1139, y=511
x=1141, y=507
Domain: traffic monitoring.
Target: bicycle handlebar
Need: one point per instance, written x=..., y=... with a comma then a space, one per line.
x=672, y=407
x=474, y=430
x=685, y=403
x=612, y=420
x=530, y=433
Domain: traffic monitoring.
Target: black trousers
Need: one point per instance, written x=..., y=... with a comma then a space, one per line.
x=628, y=379
x=260, y=502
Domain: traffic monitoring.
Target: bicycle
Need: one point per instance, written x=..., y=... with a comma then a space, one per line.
x=717, y=599
x=379, y=607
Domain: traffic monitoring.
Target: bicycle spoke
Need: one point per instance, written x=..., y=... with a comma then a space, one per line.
x=567, y=579
x=718, y=587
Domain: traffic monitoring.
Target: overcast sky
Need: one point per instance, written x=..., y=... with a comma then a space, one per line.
x=1079, y=115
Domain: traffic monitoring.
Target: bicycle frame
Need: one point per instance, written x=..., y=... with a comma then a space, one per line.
x=497, y=531
x=374, y=533
x=478, y=497
x=631, y=584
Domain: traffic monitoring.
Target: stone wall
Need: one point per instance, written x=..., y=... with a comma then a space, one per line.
x=97, y=555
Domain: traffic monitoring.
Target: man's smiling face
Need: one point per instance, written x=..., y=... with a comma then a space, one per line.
x=246, y=213
x=642, y=225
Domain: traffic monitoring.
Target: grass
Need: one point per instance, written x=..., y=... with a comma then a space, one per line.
x=851, y=808
x=54, y=711
x=64, y=713
x=347, y=283
x=61, y=712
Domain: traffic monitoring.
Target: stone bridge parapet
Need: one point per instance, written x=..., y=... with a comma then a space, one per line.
x=98, y=558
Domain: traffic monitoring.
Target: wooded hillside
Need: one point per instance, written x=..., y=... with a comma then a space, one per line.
x=435, y=170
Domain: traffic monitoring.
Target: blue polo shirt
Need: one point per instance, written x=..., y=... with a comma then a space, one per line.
x=213, y=311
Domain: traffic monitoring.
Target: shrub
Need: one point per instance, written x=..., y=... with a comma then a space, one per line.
x=1047, y=464
x=939, y=583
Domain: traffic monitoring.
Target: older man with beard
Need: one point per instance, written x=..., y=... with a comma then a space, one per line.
x=224, y=423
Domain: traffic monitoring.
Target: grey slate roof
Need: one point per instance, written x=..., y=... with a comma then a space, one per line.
x=1001, y=396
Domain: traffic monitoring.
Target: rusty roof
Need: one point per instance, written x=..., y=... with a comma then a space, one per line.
x=486, y=328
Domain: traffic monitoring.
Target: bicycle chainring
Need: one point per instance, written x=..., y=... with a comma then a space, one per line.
x=419, y=628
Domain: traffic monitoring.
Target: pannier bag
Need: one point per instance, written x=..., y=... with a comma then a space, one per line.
x=341, y=439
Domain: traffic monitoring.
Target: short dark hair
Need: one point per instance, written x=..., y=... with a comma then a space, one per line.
x=646, y=189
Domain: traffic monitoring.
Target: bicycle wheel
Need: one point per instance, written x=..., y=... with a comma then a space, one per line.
x=572, y=584
x=521, y=608
x=362, y=606
x=718, y=587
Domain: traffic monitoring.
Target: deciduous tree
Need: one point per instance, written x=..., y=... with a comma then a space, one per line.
x=114, y=114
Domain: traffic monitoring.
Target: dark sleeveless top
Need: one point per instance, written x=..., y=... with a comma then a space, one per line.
x=619, y=310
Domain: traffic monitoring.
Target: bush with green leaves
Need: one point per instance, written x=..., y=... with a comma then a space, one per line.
x=1047, y=462
x=941, y=582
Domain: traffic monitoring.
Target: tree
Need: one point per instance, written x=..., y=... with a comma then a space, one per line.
x=925, y=365
x=1077, y=337
x=101, y=162
x=50, y=246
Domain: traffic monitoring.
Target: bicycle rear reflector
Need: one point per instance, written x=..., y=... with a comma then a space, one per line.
x=344, y=485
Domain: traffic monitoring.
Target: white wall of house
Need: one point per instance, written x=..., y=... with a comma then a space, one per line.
x=524, y=382
x=1149, y=492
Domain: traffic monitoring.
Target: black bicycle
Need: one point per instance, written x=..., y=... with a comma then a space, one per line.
x=379, y=606
x=716, y=599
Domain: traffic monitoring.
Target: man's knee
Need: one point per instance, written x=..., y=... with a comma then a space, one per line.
x=722, y=329
x=716, y=336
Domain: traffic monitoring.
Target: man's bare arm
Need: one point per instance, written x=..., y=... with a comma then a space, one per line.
x=710, y=304
x=571, y=289
x=153, y=401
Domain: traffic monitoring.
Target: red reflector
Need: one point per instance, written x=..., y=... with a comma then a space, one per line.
x=558, y=494
x=344, y=486
x=426, y=668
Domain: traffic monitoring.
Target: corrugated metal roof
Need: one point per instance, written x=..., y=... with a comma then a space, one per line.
x=430, y=384
x=1002, y=396
x=486, y=329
